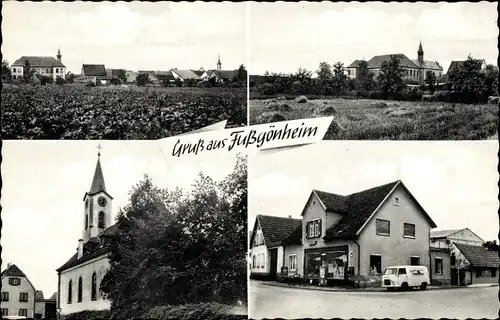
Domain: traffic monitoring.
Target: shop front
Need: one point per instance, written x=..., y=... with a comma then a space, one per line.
x=327, y=265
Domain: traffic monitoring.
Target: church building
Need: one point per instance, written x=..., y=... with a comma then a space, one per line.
x=79, y=279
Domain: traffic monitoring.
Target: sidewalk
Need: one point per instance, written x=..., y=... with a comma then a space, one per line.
x=367, y=289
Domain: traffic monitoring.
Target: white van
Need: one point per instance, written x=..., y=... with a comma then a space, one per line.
x=405, y=277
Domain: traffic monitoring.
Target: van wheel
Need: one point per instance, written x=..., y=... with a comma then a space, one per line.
x=404, y=286
x=423, y=286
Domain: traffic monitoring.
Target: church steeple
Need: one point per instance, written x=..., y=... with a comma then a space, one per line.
x=59, y=56
x=219, y=65
x=98, y=184
x=420, y=53
x=97, y=211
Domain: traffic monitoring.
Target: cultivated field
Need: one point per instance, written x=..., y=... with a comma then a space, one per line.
x=380, y=120
x=79, y=112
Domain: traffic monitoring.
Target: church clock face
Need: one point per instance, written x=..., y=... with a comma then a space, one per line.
x=101, y=201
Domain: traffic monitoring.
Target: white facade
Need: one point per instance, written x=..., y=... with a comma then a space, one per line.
x=53, y=72
x=13, y=303
x=99, y=265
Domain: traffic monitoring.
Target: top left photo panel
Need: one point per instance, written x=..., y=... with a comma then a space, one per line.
x=121, y=71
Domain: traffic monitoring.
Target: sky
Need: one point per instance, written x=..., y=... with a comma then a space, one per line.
x=44, y=183
x=311, y=32
x=455, y=182
x=133, y=36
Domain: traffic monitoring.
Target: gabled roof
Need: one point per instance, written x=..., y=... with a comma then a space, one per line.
x=276, y=229
x=354, y=64
x=333, y=202
x=295, y=237
x=37, y=61
x=404, y=61
x=13, y=271
x=433, y=65
x=100, y=249
x=199, y=72
x=94, y=70
x=186, y=74
x=443, y=233
x=226, y=74
x=361, y=208
x=458, y=63
x=39, y=295
x=164, y=75
x=479, y=256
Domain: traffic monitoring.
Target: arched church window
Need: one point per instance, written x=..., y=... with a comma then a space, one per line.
x=70, y=291
x=80, y=289
x=86, y=222
x=91, y=218
x=101, y=224
x=94, y=287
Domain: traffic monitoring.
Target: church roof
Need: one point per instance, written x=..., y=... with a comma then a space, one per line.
x=420, y=50
x=433, y=65
x=98, y=184
x=37, y=61
x=404, y=61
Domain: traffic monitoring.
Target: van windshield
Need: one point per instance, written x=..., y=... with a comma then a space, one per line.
x=391, y=271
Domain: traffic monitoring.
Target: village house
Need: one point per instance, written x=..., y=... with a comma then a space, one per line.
x=219, y=75
x=45, y=66
x=95, y=73
x=184, y=75
x=20, y=297
x=266, y=245
x=413, y=70
x=459, y=258
x=353, y=235
x=80, y=277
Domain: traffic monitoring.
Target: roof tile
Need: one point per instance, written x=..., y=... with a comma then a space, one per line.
x=479, y=256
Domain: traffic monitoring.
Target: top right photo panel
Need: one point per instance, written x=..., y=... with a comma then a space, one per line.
x=384, y=71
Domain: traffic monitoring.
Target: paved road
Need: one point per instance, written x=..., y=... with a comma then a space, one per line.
x=290, y=303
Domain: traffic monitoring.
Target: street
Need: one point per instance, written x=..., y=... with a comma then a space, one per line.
x=291, y=303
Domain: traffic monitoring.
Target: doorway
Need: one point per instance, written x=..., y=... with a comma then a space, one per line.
x=274, y=263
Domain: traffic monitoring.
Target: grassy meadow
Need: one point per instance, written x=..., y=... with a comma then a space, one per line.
x=362, y=119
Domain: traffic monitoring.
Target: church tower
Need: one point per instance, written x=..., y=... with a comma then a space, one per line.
x=420, y=53
x=59, y=56
x=97, y=205
x=219, y=65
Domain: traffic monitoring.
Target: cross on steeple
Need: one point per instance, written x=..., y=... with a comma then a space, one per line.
x=99, y=150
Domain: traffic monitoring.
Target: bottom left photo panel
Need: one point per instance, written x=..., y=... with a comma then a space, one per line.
x=122, y=230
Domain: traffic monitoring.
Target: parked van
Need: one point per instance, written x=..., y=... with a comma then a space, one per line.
x=405, y=277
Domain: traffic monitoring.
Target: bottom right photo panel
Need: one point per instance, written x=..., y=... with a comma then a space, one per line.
x=355, y=229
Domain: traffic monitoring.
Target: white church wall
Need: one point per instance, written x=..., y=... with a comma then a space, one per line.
x=100, y=265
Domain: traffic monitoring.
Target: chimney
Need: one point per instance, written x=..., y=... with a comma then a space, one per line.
x=8, y=265
x=80, y=248
x=289, y=216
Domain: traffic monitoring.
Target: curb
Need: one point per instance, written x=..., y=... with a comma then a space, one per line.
x=369, y=289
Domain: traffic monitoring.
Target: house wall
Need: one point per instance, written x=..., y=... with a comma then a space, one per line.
x=13, y=305
x=100, y=265
x=53, y=72
x=485, y=277
x=445, y=276
x=298, y=251
x=314, y=210
x=40, y=308
x=395, y=249
x=465, y=236
x=351, y=73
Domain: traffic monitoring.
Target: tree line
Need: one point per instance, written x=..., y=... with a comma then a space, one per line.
x=466, y=81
